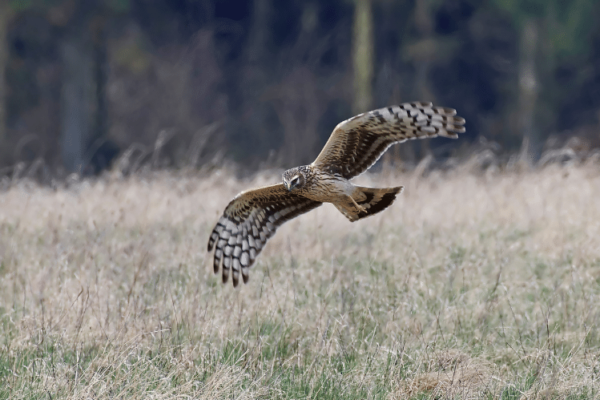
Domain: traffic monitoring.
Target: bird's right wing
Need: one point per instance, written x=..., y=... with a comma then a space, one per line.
x=249, y=220
x=358, y=142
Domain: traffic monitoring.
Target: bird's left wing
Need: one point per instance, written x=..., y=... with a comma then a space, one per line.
x=358, y=142
x=249, y=220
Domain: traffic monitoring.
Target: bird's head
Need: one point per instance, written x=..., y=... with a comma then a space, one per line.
x=293, y=179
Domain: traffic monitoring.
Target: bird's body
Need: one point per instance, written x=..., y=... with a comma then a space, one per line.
x=326, y=186
x=355, y=144
x=322, y=185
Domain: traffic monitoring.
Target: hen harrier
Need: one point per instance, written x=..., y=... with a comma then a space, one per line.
x=252, y=217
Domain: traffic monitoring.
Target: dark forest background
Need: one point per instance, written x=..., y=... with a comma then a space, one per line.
x=263, y=82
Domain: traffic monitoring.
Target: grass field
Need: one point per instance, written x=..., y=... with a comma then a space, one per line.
x=471, y=285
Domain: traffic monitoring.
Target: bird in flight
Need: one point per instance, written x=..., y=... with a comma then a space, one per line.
x=253, y=216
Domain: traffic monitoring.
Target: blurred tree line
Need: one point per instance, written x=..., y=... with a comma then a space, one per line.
x=263, y=82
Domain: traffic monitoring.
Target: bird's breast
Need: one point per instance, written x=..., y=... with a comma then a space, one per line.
x=327, y=188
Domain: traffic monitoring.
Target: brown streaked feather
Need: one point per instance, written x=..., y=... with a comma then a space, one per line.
x=248, y=221
x=357, y=143
x=372, y=200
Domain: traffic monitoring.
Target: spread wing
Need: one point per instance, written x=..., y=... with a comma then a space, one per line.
x=249, y=220
x=358, y=142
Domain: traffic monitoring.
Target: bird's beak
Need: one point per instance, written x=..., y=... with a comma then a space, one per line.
x=287, y=186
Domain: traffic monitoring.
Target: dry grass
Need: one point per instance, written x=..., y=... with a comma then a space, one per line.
x=469, y=286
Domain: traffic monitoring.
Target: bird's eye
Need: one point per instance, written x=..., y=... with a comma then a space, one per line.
x=295, y=180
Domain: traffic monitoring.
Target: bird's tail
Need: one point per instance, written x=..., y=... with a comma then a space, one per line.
x=370, y=202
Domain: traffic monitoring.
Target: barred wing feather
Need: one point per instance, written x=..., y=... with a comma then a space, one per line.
x=357, y=143
x=249, y=220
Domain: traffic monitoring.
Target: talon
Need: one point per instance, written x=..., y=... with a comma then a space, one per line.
x=360, y=208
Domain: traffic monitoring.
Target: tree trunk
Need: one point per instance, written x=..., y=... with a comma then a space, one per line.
x=98, y=150
x=78, y=103
x=527, y=86
x=259, y=35
x=363, y=50
x=424, y=25
x=5, y=16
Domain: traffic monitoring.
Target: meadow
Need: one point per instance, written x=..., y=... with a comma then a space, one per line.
x=472, y=285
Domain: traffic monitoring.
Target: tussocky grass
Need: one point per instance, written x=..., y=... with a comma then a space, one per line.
x=472, y=285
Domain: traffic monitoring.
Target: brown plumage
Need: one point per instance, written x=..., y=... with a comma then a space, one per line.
x=354, y=146
x=248, y=222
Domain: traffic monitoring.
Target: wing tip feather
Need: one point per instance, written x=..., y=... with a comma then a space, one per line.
x=251, y=218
